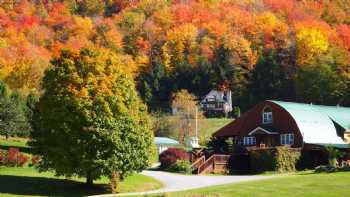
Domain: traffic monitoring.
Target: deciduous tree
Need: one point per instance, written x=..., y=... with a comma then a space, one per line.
x=90, y=122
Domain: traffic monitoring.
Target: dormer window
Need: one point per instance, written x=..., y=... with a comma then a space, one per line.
x=267, y=115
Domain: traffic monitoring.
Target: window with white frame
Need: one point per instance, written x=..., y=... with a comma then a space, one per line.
x=249, y=141
x=287, y=139
x=267, y=115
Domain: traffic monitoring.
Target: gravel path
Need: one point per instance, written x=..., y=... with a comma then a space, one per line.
x=176, y=182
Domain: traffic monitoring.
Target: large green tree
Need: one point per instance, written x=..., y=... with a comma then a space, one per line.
x=90, y=122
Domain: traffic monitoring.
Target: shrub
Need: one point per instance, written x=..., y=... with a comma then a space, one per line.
x=280, y=159
x=170, y=156
x=262, y=160
x=181, y=166
x=333, y=155
x=12, y=157
x=286, y=159
x=21, y=160
x=3, y=157
x=35, y=160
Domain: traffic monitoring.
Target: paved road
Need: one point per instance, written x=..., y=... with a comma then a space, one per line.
x=176, y=182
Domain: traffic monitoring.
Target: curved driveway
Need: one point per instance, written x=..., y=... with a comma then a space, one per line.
x=176, y=182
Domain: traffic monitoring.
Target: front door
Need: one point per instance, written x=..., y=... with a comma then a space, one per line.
x=268, y=140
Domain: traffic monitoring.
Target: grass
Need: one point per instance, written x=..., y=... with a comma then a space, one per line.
x=20, y=143
x=27, y=181
x=211, y=125
x=297, y=185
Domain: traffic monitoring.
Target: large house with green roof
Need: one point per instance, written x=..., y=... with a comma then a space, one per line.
x=276, y=123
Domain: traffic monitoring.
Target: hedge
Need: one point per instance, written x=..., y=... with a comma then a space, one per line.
x=279, y=159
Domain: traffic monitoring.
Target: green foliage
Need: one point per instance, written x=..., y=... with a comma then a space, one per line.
x=90, y=122
x=279, y=159
x=270, y=80
x=219, y=145
x=181, y=166
x=333, y=156
x=262, y=160
x=13, y=119
x=236, y=112
x=286, y=159
x=323, y=82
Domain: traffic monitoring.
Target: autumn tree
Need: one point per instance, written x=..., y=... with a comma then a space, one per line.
x=184, y=107
x=90, y=122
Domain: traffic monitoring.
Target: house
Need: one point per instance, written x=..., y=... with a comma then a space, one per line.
x=163, y=143
x=276, y=123
x=217, y=102
x=301, y=127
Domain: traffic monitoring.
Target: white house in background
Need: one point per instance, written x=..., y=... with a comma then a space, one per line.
x=163, y=143
x=217, y=102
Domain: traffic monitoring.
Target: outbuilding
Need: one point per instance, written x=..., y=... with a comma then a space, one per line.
x=163, y=143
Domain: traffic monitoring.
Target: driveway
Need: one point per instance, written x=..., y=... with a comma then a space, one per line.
x=176, y=182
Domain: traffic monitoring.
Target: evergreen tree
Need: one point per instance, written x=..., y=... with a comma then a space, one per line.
x=13, y=119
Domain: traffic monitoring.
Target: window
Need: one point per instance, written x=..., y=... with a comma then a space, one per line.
x=249, y=141
x=287, y=139
x=267, y=115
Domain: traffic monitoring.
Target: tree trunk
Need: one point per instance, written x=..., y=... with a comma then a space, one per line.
x=89, y=179
x=115, y=177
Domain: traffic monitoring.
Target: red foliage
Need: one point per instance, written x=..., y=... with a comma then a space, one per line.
x=12, y=155
x=344, y=35
x=170, y=156
x=143, y=45
x=13, y=158
x=21, y=160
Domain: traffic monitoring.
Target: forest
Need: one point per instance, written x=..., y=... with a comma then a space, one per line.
x=291, y=50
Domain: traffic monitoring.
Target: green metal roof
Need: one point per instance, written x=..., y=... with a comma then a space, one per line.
x=315, y=122
x=165, y=141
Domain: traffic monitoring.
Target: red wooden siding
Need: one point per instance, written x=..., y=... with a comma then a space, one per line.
x=282, y=123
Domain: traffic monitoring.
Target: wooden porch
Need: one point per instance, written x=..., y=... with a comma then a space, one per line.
x=214, y=164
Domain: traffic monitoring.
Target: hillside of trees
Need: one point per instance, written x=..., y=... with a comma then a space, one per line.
x=292, y=50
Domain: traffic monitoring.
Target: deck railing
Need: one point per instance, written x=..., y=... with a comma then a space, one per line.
x=202, y=166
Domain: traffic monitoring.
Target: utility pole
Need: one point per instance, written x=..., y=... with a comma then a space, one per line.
x=196, y=122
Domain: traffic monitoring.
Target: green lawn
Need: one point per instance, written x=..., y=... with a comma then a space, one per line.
x=299, y=185
x=210, y=126
x=27, y=181
x=20, y=143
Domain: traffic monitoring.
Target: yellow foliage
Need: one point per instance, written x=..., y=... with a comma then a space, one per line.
x=82, y=26
x=310, y=43
x=179, y=39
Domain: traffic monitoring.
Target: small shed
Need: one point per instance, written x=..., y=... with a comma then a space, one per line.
x=163, y=143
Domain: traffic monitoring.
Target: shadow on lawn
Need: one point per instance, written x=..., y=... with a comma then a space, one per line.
x=21, y=149
x=40, y=186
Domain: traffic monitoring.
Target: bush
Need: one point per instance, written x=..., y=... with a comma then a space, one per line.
x=170, y=157
x=280, y=159
x=13, y=157
x=181, y=166
x=3, y=157
x=286, y=159
x=35, y=160
x=262, y=160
